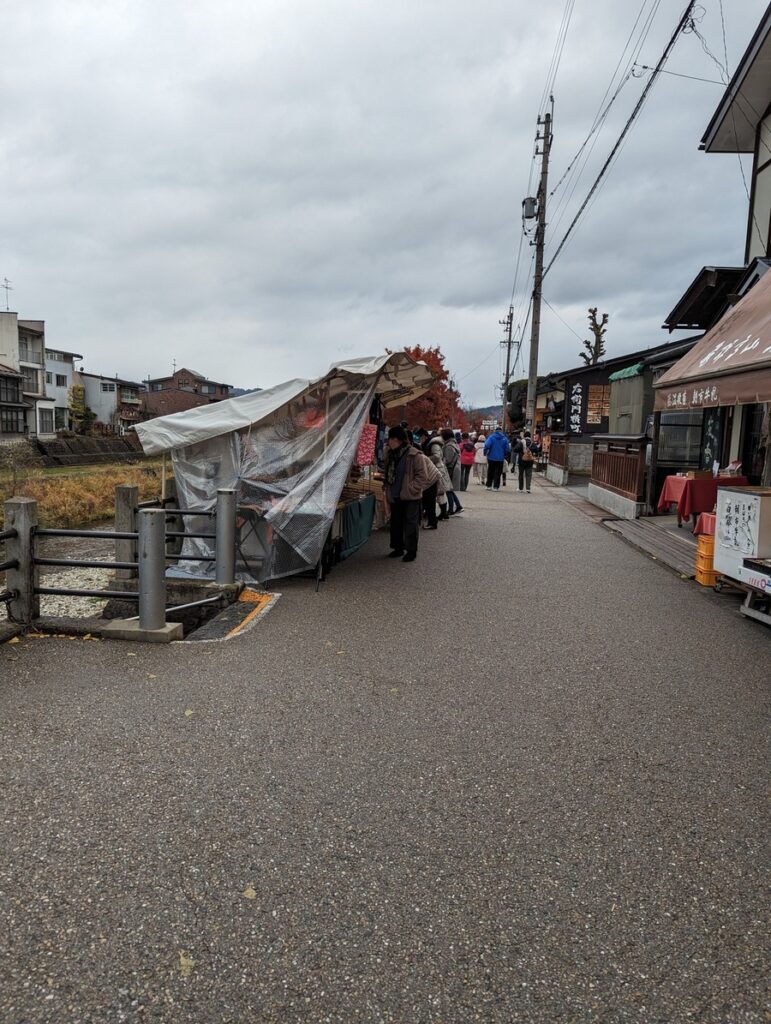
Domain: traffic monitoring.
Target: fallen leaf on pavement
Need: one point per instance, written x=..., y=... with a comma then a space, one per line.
x=186, y=965
x=250, y=893
x=131, y=654
x=151, y=676
x=189, y=712
x=14, y=640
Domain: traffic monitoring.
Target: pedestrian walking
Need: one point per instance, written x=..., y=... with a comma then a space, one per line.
x=406, y=478
x=497, y=449
x=451, y=456
x=525, y=451
x=480, y=460
x=467, y=457
x=434, y=449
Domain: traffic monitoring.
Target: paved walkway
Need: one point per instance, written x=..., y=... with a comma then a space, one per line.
x=521, y=779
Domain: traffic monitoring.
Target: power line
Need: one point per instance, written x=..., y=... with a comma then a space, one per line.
x=559, y=46
x=632, y=117
x=561, y=320
x=679, y=74
x=564, y=204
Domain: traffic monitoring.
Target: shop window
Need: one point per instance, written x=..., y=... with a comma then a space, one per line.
x=597, y=404
x=680, y=438
x=752, y=452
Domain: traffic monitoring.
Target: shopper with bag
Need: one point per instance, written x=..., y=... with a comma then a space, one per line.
x=406, y=478
x=525, y=451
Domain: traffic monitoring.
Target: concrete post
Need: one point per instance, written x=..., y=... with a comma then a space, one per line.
x=126, y=500
x=225, y=550
x=152, y=568
x=21, y=515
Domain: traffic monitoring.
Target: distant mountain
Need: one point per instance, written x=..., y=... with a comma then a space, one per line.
x=236, y=392
x=489, y=412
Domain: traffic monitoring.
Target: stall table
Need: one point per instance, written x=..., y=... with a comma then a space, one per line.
x=694, y=496
x=705, y=524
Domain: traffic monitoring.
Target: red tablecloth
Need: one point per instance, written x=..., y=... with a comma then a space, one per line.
x=694, y=496
x=706, y=524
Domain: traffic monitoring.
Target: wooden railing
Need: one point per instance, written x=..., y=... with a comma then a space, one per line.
x=618, y=464
x=558, y=451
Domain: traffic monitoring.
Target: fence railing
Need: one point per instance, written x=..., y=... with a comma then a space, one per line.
x=146, y=560
x=7, y=595
x=558, y=451
x=618, y=464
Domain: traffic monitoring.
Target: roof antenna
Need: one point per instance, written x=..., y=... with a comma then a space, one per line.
x=7, y=285
x=174, y=366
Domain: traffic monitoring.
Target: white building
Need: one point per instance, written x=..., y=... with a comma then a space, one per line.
x=114, y=402
x=59, y=378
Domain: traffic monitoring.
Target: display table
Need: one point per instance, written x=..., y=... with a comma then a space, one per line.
x=694, y=496
x=705, y=524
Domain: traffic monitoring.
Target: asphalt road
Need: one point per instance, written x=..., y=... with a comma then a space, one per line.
x=522, y=779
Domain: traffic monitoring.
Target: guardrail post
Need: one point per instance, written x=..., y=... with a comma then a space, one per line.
x=21, y=515
x=126, y=498
x=225, y=550
x=152, y=568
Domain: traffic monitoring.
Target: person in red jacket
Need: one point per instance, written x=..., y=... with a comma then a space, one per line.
x=467, y=454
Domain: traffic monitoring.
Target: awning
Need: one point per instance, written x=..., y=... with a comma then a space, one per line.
x=629, y=371
x=398, y=379
x=731, y=365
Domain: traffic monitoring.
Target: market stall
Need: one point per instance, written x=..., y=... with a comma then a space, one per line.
x=694, y=494
x=291, y=453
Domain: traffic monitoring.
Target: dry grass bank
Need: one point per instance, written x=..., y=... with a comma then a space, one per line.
x=83, y=499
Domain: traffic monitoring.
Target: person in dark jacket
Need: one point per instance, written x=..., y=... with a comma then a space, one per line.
x=406, y=473
x=497, y=449
x=525, y=450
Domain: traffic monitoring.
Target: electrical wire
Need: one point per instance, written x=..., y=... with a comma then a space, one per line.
x=560, y=318
x=630, y=121
x=556, y=59
x=596, y=120
x=679, y=74
x=563, y=205
x=723, y=68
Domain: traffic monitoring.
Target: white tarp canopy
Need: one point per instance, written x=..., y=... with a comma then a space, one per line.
x=397, y=377
x=286, y=451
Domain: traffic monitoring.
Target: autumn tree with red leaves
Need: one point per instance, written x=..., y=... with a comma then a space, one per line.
x=439, y=406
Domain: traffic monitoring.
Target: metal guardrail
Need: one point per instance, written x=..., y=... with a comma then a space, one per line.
x=151, y=536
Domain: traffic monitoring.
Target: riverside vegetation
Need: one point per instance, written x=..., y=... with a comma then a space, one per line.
x=77, y=499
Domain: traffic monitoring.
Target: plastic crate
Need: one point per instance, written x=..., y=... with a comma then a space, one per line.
x=705, y=545
x=706, y=577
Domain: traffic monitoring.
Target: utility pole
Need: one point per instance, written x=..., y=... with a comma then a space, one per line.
x=507, y=323
x=540, y=239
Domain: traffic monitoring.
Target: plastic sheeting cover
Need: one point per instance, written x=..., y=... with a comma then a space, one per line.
x=397, y=377
x=288, y=471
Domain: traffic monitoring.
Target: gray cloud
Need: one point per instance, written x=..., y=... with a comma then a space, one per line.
x=257, y=190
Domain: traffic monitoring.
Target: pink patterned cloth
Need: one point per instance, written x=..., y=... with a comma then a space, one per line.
x=365, y=456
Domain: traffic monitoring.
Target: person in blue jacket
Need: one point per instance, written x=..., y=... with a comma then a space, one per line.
x=497, y=449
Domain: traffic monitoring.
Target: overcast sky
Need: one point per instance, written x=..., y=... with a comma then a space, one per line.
x=259, y=188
